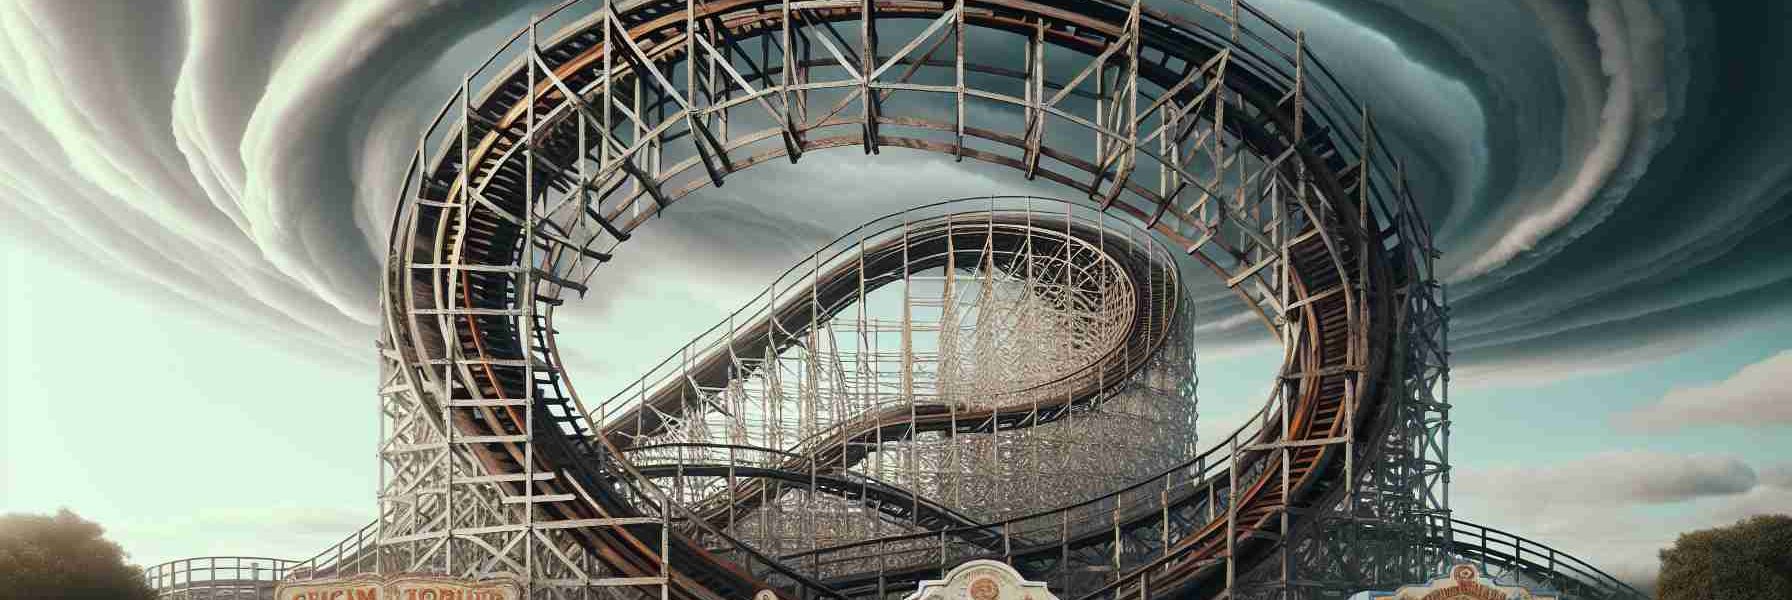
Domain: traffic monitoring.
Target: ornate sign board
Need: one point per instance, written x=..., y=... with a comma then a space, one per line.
x=982, y=580
x=1464, y=583
x=398, y=587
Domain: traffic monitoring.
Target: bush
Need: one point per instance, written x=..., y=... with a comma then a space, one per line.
x=1751, y=560
x=64, y=556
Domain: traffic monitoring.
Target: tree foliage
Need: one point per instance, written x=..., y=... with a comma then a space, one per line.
x=1749, y=560
x=64, y=556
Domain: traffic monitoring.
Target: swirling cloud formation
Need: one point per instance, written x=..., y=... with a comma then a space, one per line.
x=1607, y=177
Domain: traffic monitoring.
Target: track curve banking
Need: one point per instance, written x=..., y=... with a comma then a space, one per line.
x=564, y=154
x=1110, y=294
x=1185, y=560
x=1116, y=287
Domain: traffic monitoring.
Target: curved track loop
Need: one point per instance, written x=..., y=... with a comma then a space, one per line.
x=1123, y=288
x=537, y=186
x=898, y=504
x=1174, y=526
x=1024, y=241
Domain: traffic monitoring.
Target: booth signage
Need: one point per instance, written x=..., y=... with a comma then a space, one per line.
x=982, y=580
x=398, y=587
x=1463, y=583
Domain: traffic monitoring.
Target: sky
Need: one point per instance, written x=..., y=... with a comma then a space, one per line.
x=194, y=194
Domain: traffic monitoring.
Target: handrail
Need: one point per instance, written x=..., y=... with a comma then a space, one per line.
x=1202, y=463
x=348, y=556
x=1464, y=541
x=844, y=243
x=217, y=573
x=1398, y=216
x=350, y=552
x=1469, y=540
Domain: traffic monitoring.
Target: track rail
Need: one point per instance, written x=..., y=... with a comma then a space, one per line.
x=1017, y=237
x=1509, y=557
x=1504, y=556
x=218, y=577
x=1206, y=122
x=1223, y=501
x=521, y=204
x=1045, y=556
x=1038, y=237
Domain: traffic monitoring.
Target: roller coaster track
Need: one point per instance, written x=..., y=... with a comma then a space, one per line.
x=1196, y=542
x=938, y=244
x=1205, y=122
x=1050, y=247
x=1504, y=556
x=897, y=503
x=476, y=272
x=550, y=162
x=920, y=246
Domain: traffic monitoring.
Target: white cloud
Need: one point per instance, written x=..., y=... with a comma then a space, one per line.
x=1591, y=507
x=1756, y=396
x=1604, y=508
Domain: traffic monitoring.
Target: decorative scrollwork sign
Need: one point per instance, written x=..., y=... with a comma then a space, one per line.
x=399, y=587
x=1463, y=583
x=982, y=580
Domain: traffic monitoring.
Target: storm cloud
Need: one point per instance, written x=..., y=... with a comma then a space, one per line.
x=1594, y=206
x=1607, y=179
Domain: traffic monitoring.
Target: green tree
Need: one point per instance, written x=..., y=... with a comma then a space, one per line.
x=64, y=556
x=1751, y=560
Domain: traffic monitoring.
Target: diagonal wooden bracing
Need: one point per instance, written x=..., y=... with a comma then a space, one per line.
x=1201, y=122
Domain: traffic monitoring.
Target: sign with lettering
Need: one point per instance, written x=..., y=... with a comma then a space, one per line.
x=982, y=580
x=398, y=587
x=1463, y=583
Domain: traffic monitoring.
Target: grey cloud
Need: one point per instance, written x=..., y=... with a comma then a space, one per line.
x=1777, y=476
x=1611, y=479
x=246, y=157
x=173, y=153
x=1674, y=250
x=242, y=158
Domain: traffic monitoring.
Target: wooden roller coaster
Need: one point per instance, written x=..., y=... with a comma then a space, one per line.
x=1204, y=122
x=563, y=154
x=1207, y=124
